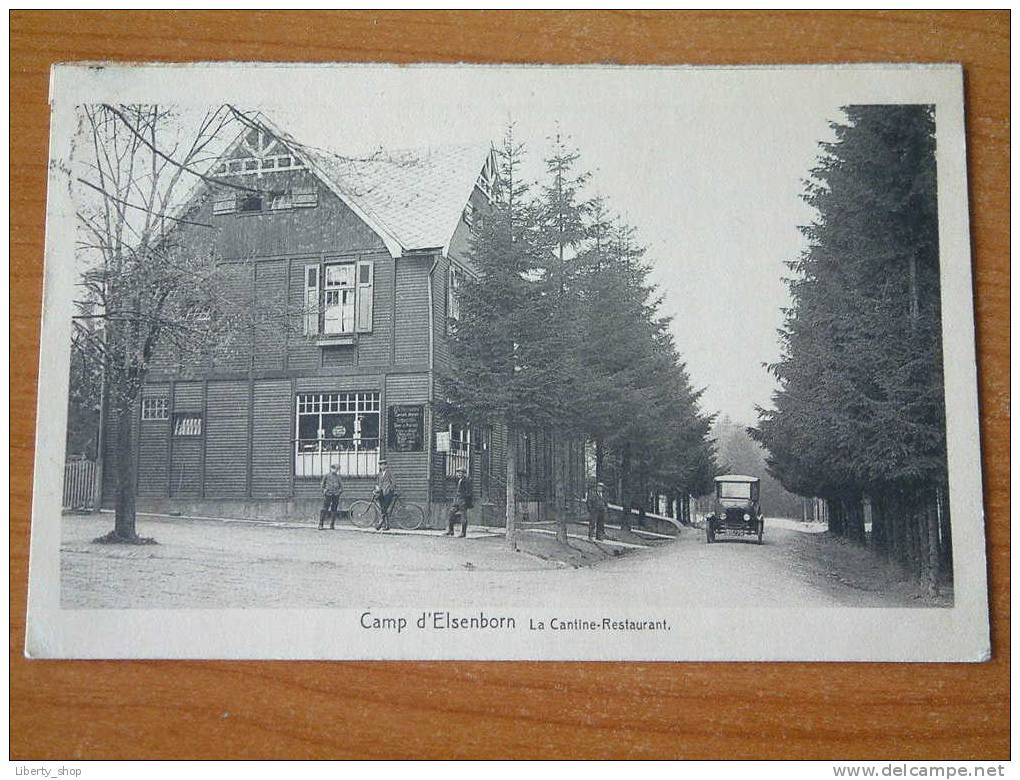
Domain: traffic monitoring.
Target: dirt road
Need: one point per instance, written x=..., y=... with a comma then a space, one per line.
x=212, y=564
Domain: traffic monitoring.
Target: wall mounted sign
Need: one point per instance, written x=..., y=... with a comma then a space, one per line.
x=405, y=431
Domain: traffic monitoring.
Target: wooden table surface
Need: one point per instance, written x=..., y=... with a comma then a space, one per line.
x=149, y=709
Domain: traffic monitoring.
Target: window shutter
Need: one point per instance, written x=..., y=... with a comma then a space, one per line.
x=366, y=281
x=224, y=203
x=311, y=301
x=304, y=198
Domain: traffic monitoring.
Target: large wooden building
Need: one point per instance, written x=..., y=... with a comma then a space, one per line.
x=369, y=254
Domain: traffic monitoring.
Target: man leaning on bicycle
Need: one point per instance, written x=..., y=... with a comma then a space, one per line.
x=385, y=493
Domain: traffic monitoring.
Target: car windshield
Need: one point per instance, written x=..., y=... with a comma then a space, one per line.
x=735, y=490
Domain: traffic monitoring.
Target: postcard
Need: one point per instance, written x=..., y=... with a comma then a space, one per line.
x=507, y=362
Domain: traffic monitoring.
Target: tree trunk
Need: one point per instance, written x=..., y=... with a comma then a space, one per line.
x=511, y=489
x=600, y=460
x=124, y=506
x=559, y=488
x=835, y=514
x=854, y=523
x=932, y=533
x=945, y=532
x=879, y=533
x=625, y=498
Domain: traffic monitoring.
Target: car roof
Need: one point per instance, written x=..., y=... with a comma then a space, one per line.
x=736, y=478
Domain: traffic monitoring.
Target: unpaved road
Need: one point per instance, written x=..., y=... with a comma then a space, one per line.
x=200, y=564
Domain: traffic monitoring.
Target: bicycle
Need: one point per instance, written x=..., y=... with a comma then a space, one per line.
x=368, y=514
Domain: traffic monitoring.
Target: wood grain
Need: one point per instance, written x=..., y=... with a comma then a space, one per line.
x=296, y=710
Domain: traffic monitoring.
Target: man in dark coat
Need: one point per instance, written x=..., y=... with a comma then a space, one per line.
x=385, y=492
x=462, y=502
x=597, y=508
x=332, y=489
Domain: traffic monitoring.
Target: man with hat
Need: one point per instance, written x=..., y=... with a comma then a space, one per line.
x=332, y=488
x=597, y=508
x=462, y=502
x=385, y=492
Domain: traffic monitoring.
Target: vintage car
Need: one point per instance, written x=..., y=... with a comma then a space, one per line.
x=736, y=511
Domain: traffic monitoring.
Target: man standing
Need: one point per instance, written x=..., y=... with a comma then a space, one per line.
x=332, y=488
x=597, y=508
x=463, y=500
x=386, y=491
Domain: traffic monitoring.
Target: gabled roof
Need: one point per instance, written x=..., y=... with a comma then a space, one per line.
x=736, y=478
x=413, y=198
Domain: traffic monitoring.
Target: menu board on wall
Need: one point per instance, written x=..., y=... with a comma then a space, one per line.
x=405, y=431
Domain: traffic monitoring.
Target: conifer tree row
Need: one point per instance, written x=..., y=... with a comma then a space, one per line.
x=559, y=332
x=860, y=412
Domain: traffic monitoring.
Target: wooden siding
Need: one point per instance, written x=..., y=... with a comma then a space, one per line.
x=374, y=347
x=226, y=437
x=460, y=242
x=272, y=448
x=152, y=437
x=186, y=467
x=410, y=468
x=302, y=352
x=270, y=336
x=441, y=341
x=327, y=227
x=411, y=310
x=152, y=452
x=338, y=357
x=188, y=397
x=233, y=351
x=338, y=384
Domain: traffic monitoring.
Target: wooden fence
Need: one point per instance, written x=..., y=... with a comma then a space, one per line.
x=80, y=484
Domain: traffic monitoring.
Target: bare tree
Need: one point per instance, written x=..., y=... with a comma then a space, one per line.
x=149, y=276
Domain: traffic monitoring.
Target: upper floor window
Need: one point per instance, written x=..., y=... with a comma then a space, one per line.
x=244, y=201
x=250, y=201
x=338, y=297
x=156, y=408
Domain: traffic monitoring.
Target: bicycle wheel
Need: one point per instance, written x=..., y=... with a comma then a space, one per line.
x=365, y=514
x=407, y=516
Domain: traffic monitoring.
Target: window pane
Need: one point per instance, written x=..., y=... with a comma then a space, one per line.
x=251, y=202
x=340, y=275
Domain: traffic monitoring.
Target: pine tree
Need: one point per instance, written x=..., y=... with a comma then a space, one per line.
x=498, y=349
x=562, y=230
x=860, y=410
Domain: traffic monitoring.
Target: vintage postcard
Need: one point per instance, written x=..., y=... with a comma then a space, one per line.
x=508, y=362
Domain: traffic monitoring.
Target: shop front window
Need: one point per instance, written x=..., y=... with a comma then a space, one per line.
x=337, y=428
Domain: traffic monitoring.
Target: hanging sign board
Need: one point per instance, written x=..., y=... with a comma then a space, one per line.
x=405, y=431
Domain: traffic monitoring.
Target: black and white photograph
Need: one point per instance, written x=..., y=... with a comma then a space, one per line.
x=502, y=362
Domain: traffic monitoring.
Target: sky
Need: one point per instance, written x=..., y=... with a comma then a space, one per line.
x=707, y=164
x=709, y=172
